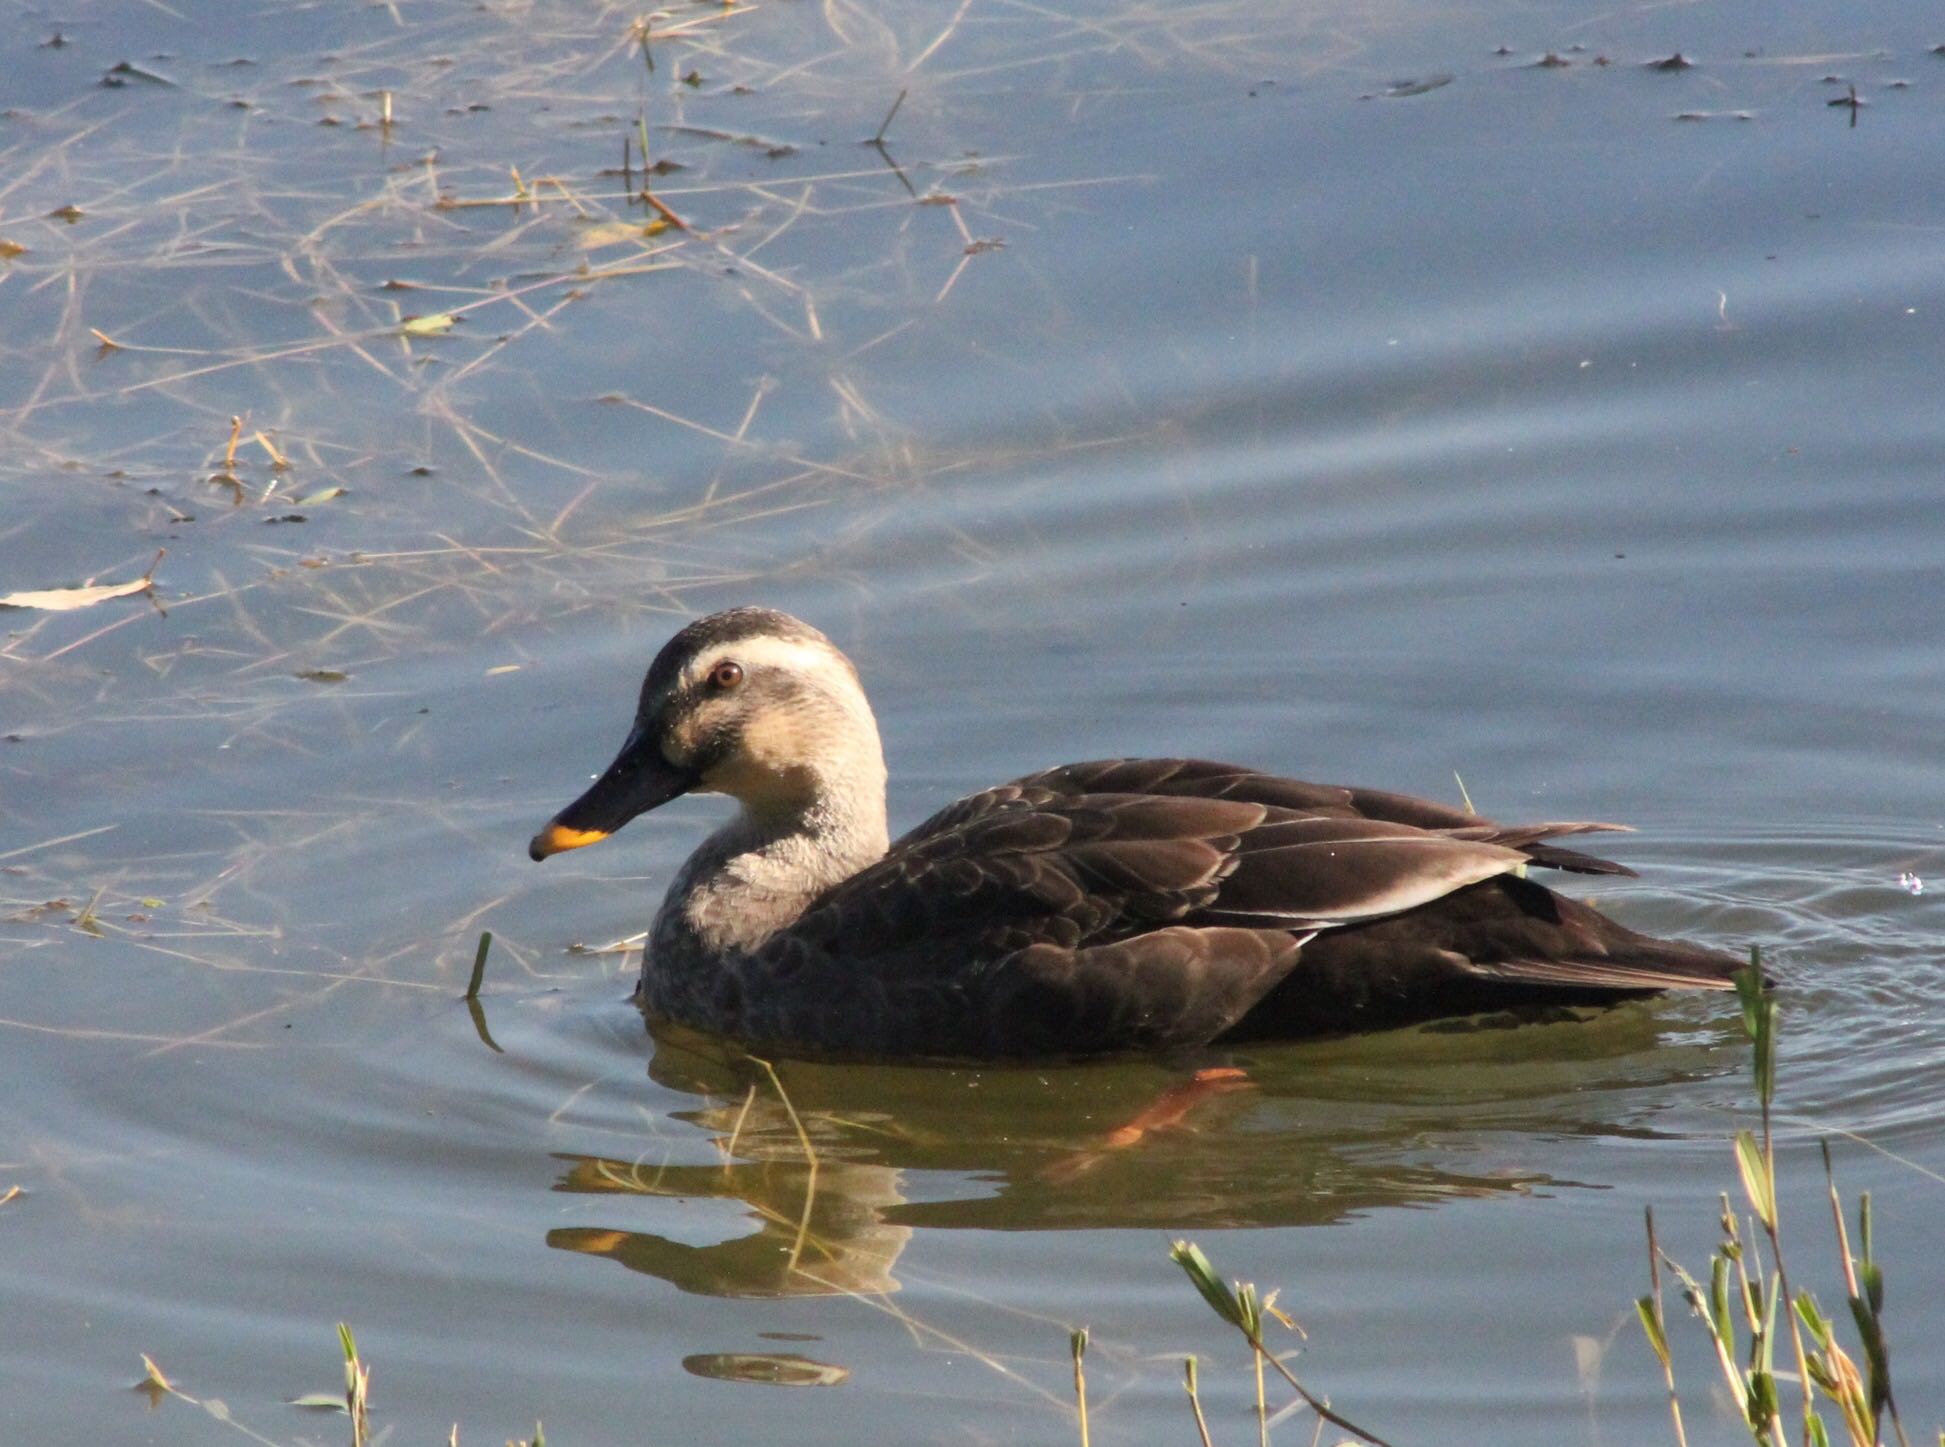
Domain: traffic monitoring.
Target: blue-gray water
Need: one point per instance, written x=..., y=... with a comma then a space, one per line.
x=1306, y=413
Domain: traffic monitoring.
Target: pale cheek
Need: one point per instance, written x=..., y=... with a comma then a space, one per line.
x=686, y=738
x=769, y=745
x=678, y=746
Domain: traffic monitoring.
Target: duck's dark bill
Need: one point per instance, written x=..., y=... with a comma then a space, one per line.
x=638, y=780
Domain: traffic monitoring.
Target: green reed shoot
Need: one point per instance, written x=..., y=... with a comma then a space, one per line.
x=1077, y=1344
x=1240, y=1306
x=1655, y=1325
x=357, y=1388
x=1748, y=1293
x=479, y=964
x=1195, y=1400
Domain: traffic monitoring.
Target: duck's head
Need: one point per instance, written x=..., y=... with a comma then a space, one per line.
x=751, y=703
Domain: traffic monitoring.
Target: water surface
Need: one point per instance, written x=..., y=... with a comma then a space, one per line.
x=1348, y=394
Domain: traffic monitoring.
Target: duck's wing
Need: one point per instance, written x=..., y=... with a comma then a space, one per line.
x=1313, y=872
x=1202, y=778
x=1032, y=921
x=1095, y=861
x=1018, y=866
x=1022, y=923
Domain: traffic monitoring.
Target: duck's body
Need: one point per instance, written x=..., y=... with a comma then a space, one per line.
x=1126, y=905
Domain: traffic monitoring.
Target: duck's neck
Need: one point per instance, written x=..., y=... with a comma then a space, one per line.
x=756, y=874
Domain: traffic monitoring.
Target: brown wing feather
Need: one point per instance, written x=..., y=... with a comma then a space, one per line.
x=1150, y=903
x=1505, y=943
x=1340, y=881
x=1166, y=989
x=1018, y=864
x=1205, y=779
x=1029, y=925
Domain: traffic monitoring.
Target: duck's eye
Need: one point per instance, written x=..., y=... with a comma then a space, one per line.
x=725, y=676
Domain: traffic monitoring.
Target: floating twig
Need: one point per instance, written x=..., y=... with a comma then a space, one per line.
x=885, y=125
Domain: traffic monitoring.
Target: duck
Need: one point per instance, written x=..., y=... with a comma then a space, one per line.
x=1121, y=906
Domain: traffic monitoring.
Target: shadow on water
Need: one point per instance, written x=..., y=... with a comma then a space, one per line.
x=839, y=1165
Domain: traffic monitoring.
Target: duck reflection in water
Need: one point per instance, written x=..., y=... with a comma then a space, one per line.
x=837, y=1166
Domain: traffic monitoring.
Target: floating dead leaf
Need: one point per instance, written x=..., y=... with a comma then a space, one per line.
x=323, y=675
x=503, y=668
x=618, y=233
x=69, y=213
x=773, y=149
x=123, y=71
x=10, y=249
x=61, y=600
x=323, y=494
x=12, y=1193
x=320, y=1402
x=436, y=325
x=1418, y=86
x=770, y=1369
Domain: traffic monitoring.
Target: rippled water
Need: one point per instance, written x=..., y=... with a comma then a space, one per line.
x=1334, y=393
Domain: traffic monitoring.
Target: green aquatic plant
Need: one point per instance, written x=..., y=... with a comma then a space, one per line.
x=1747, y=1303
x=1239, y=1304
x=1077, y=1344
x=357, y=1388
x=354, y=1401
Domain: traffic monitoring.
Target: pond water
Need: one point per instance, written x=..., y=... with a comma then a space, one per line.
x=1354, y=393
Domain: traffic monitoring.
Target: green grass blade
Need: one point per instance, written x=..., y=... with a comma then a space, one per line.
x=1755, y=1178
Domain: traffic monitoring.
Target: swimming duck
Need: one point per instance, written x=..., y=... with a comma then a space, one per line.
x=1123, y=905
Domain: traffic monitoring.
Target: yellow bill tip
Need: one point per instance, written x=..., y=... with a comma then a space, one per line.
x=558, y=839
